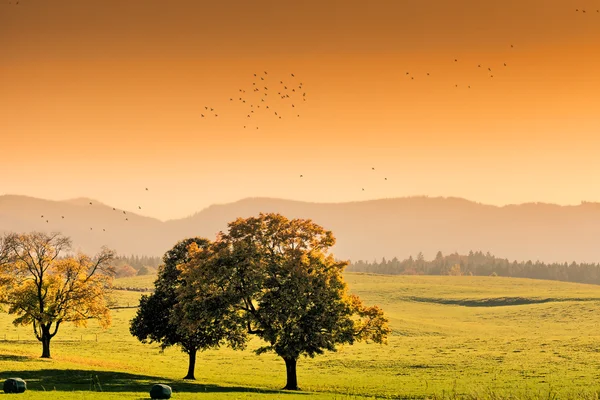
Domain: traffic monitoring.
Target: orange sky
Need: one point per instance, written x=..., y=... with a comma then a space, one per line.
x=102, y=98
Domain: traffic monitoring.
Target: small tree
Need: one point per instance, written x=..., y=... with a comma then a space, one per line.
x=276, y=275
x=125, y=271
x=157, y=320
x=46, y=290
x=144, y=270
x=455, y=270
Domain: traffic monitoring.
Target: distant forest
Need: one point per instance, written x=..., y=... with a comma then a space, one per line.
x=480, y=264
x=476, y=263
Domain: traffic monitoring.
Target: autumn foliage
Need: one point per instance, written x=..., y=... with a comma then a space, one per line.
x=276, y=277
x=45, y=286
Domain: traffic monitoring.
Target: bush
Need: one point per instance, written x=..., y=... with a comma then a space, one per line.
x=145, y=270
x=125, y=271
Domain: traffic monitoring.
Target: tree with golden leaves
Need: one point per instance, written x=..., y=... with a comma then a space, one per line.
x=45, y=286
x=277, y=277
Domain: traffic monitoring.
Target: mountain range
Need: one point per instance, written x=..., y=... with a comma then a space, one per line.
x=366, y=230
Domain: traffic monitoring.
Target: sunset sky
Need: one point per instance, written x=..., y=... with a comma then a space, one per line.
x=103, y=98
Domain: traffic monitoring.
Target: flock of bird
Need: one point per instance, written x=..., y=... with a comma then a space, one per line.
x=91, y=204
x=583, y=10
x=485, y=68
x=268, y=96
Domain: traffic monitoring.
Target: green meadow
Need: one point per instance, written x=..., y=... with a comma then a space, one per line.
x=453, y=337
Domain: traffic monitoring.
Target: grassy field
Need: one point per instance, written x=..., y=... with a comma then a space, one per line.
x=474, y=337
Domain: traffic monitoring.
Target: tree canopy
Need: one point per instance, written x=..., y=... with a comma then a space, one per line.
x=45, y=288
x=277, y=277
x=157, y=320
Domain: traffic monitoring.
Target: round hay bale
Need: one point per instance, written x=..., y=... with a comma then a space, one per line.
x=160, y=391
x=14, y=385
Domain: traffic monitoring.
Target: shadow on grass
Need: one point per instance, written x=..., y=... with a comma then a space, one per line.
x=63, y=380
x=10, y=357
x=496, y=302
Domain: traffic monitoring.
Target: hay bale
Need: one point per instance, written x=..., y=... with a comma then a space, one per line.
x=160, y=391
x=14, y=385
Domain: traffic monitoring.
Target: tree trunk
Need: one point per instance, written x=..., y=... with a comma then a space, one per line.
x=290, y=368
x=46, y=344
x=191, y=364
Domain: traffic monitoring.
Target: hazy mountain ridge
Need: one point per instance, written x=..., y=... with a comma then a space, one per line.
x=364, y=230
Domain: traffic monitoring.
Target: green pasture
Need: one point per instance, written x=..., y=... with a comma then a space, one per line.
x=453, y=337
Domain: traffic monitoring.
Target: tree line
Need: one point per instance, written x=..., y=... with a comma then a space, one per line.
x=137, y=262
x=480, y=264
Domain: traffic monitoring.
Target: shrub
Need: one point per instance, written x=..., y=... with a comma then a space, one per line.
x=125, y=271
x=145, y=270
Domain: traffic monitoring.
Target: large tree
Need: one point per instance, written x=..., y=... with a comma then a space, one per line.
x=45, y=287
x=278, y=275
x=157, y=319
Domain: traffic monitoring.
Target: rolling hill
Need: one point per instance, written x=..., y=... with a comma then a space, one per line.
x=364, y=230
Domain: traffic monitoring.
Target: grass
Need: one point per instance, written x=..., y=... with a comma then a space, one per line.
x=453, y=337
x=140, y=282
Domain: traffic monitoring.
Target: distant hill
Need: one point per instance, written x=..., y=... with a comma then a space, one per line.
x=364, y=230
